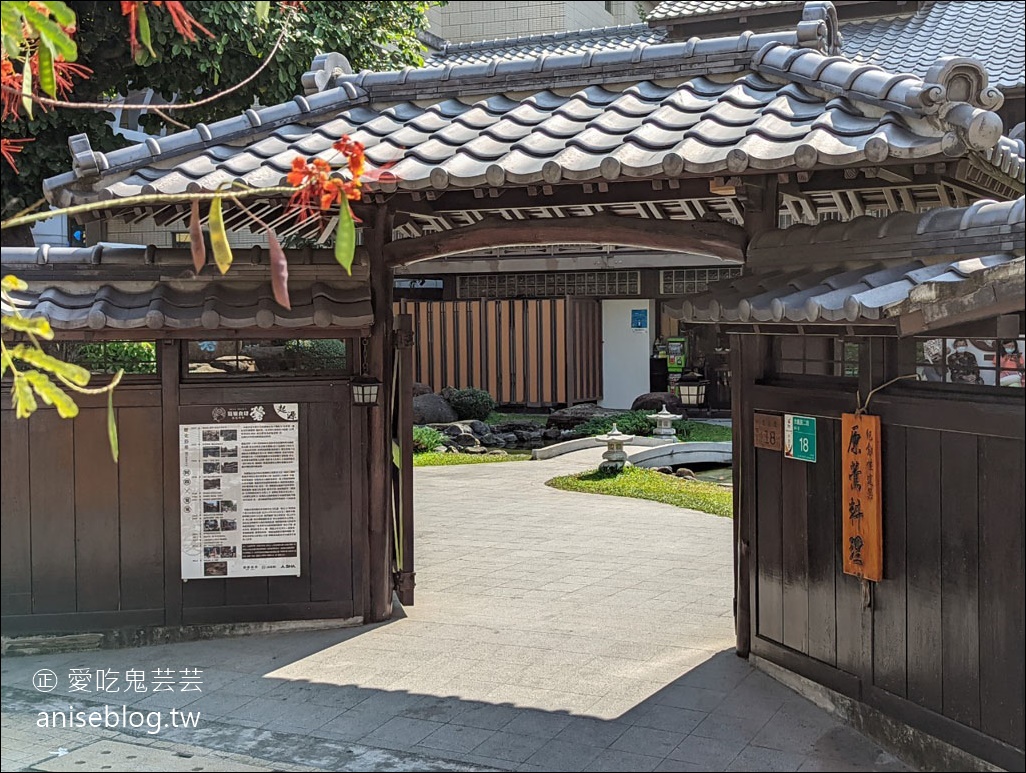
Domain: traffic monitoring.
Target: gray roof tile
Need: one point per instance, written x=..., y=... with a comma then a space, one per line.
x=71, y=306
x=988, y=30
x=873, y=290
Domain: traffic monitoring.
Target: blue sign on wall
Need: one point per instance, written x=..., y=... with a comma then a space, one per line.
x=639, y=319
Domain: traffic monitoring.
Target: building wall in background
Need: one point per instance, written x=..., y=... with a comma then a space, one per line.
x=466, y=20
x=625, y=352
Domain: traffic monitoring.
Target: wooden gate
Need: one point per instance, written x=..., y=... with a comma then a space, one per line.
x=537, y=352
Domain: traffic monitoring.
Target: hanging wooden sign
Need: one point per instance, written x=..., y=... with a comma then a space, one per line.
x=861, y=504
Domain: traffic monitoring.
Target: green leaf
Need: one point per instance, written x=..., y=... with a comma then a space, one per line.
x=37, y=358
x=39, y=326
x=51, y=394
x=50, y=32
x=5, y=361
x=112, y=425
x=22, y=398
x=47, y=76
x=26, y=91
x=262, y=9
x=144, y=30
x=345, y=238
x=10, y=23
x=218, y=237
x=11, y=283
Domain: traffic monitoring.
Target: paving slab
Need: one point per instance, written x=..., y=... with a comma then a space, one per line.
x=552, y=631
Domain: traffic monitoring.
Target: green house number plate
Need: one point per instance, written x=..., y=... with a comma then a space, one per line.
x=800, y=438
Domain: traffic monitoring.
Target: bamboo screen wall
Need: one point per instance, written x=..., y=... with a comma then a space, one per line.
x=530, y=352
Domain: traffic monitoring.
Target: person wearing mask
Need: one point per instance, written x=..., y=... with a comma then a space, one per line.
x=962, y=365
x=1011, y=373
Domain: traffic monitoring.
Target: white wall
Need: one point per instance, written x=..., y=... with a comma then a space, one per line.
x=625, y=352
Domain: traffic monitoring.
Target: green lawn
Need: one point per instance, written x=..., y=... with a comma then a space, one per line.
x=501, y=418
x=640, y=483
x=432, y=459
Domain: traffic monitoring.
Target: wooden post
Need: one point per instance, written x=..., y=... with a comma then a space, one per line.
x=169, y=355
x=379, y=446
x=748, y=354
x=406, y=574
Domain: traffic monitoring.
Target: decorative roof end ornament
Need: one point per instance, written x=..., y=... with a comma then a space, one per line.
x=964, y=80
x=325, y=70
x=819, y=29
x=85, y=162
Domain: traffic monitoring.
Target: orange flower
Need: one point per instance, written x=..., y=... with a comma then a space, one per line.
x=63, y=72
x=12, y=80
x=8, y=147
x=182, y=20
x=318, y=190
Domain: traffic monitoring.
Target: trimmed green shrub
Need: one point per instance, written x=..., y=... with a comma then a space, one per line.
x=470, y=403
x=628, y=422
x=426, y=439
x=111, y=356
x=318, y=354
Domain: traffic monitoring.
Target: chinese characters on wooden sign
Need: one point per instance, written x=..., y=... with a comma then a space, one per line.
x=861, y=511
x=769, y=431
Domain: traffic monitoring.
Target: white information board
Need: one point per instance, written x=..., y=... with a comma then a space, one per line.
x=239, y=490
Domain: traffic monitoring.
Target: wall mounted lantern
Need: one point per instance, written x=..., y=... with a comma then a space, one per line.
x=365, y=390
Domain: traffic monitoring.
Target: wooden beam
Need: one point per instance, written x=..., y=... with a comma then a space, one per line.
x=716, y=239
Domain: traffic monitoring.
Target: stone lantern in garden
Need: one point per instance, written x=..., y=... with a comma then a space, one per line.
x=615, y=457
x=664, y=423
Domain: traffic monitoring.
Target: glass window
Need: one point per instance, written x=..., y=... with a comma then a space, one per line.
x=972, y=361
x=313, y=356
x=807, y=355
x=134, y=357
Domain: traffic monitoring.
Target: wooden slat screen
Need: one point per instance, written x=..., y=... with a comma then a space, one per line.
x=537, y=352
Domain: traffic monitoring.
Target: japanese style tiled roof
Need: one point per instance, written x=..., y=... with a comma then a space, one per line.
x=987, y=30
x=858, y=287
x=691, y=9
x=553, y=43
x=771, y=102
x=195, y=306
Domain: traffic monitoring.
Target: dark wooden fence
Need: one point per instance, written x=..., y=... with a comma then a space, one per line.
x=939, y=643
x=530, y=352
x=90, y=545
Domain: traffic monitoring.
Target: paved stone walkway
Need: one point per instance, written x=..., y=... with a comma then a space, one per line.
x=552, y=631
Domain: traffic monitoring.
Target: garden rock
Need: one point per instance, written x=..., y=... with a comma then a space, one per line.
x=474, y=450
x=479, y=428
x=441, y=449
x=552, y=433
x=466, y=440
x=568, y=418
x=509, y=438
x=665, y=470
x=496, y=452
x=493, y=440
x=654, y=401
x=432, y=409
x=684, y=472
x=421, y=389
